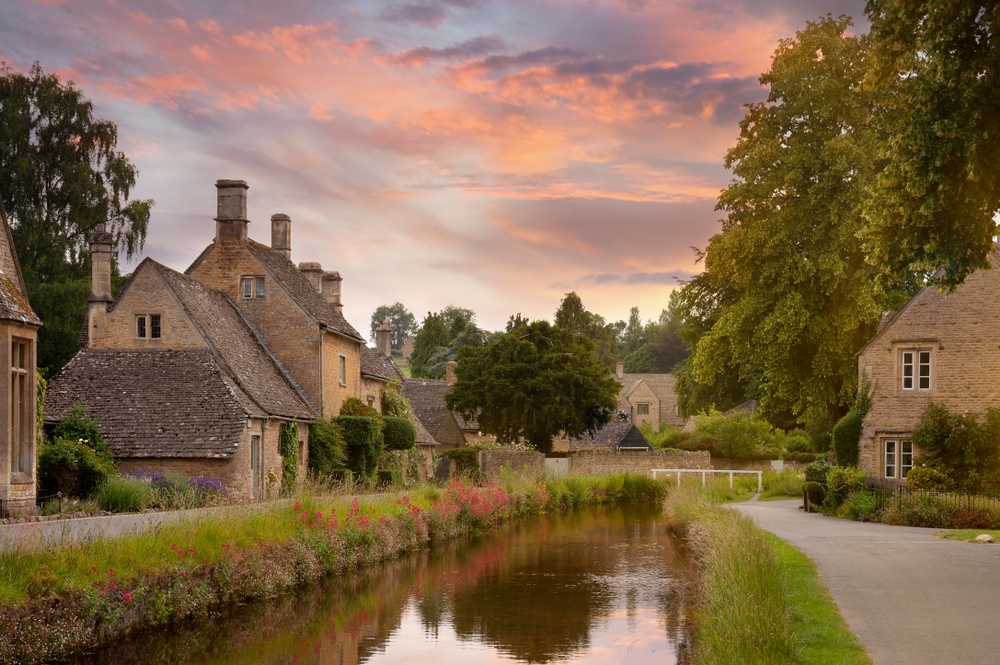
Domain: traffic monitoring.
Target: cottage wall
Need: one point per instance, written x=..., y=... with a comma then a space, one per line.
x=492, y=461
x=607, y=462
x=289, y=332
x=962, y=333
x=371, y=392
x=17, y=484
x=148, y=295
x=643, y=394
x=335, y=392
x=449, y=433
x=223, y=470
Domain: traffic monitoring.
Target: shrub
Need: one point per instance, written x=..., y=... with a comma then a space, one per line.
x=78, y=426
x=929, y=479
x=391, y=477
x=399, y=433
x=798, y=444
x=352, y=406
x=816, y=471
x=840, y=482
x=863, y=506
x=805, y=458
x=739, y=435
x=968, y=452
x=71, y=467
x=327, y=448
x=121, y=494
x=288, y=443
x=811, y=486
x=466, y=459
x=920, y=509
x=363, y=436
x=394, y=404
x=847, y=431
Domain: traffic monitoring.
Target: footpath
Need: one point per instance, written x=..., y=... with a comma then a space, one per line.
x=910, y=597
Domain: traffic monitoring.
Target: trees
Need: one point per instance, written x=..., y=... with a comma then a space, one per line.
x=401, y=321
x=534, y=383
x=62, y=175
x=795, y=294
x=441, y=338
x=573, y=316
x=936, y=66
x=433, y=333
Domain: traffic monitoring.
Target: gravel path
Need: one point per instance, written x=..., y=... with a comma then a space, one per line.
x=910, y=597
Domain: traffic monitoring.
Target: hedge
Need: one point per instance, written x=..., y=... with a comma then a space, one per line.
x=399, y=433
x=393, y=477
x=363, y=436
x=71, y=467
x=327, y=448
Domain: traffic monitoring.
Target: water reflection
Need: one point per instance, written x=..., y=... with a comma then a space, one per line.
x=595, y=586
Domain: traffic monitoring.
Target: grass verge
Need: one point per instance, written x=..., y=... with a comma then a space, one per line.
x=761, y=599
x=968, y=535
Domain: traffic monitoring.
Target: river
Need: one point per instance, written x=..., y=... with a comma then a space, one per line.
x=594, y=585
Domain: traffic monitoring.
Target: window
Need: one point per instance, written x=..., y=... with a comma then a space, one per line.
x=254, y=464
x=916, y=370
x=154, y=326
x=642, y=409
x=140, y=326
x=343, y=370
x=898, y=458
x=253, y=287
x=147, y=326
x=21, y=407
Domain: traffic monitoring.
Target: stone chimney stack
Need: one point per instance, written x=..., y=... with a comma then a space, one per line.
x=449, y=372
x=620, y=370
x=331, y=289
x=314, y=273
x=383, y=339
x=281, y=234
x=100, y=281
x=231, y=220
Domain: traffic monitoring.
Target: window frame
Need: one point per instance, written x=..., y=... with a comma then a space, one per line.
x=887, y=466
x=252, y=287
x=22, y=410
x=343, y=369
x=642, y=408
x=141, y=327
x=900, y=459
x=916, y=366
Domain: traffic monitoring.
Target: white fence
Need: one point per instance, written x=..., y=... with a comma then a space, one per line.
x=703, y=472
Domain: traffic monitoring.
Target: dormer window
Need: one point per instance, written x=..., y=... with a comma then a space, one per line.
x=253, y=287
x=147, y=326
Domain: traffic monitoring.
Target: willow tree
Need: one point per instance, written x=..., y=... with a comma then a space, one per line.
x=800, y=299
x=936, y=66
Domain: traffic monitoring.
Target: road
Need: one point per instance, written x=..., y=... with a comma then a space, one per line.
x=910, y=597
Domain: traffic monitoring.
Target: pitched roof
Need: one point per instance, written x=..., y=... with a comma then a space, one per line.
x=377, y=366
x=301, y=289
x=662, y=384
x=154, y=403
x=14, y=305
x=613, y=436
x=423, y=436
x=427, y=399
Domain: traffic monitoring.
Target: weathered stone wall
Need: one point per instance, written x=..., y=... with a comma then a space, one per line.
x=449, y=433
x=148, y=295
x=605, y=462
x=223, y=470
x=425, y=468
x=336, y=393
x=371, y=392
x=962, y=332
x=17, y=476
x=752, y=465
x=491, y=461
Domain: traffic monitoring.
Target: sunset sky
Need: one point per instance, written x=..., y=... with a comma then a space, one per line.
x=491, y=154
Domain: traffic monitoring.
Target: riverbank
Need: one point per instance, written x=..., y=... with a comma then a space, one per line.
x=760, y=599
x=64, y=599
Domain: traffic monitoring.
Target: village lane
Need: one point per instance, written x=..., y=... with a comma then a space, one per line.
x=910, y=597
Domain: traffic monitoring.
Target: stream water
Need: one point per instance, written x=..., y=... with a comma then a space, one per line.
x=595, y=585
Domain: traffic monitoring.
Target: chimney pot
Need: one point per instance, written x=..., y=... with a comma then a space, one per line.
x=314, y=273
x=100, y=284
x=281, y=234
x=383, y=339
x=620, y=370
x=449, y=372
x=231, y=215
x=331, y=289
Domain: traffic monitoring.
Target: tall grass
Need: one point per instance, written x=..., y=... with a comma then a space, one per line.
x=121, y=494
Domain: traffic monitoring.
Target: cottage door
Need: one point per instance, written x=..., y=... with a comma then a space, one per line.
x=254, y=465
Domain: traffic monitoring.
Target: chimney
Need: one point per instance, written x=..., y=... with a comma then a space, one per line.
x=281, y=234
x=331, y=289
x=620, y=370
x=100, y=281
x=231, y=220
x=449, y=372
x=314, y=273
x=383, y=339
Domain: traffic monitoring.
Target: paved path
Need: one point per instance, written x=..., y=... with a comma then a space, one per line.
x=910, y=597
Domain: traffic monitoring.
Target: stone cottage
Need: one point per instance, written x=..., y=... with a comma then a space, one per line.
x=617, y=437
x=18, y=349
x=648, y=398
x=449, y=429
x=179, y=381
x=939, y=348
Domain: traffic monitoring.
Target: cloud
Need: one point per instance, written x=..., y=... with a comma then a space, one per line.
x=670, y=278
x=470, y=48
x=429, y=16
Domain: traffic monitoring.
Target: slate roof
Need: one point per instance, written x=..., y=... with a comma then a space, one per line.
x=14, y=305
x=375, y=365
x=613, y=436
x=427, y=399
x=154, y=403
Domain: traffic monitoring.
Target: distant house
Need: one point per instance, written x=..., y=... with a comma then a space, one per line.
x=449, y=429
x=648, y=398
x=19, y=345
x=620, y=437
x=940, y=348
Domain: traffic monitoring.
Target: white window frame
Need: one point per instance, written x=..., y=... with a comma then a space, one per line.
x=923, y=370
x=905, y=457
x=890, y=459
x=897, y=457
x=343, y=369
x=907, y=366
x=915, y=369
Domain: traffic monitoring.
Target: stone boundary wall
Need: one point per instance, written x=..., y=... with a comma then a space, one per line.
x=606, y=462
x=491, y=461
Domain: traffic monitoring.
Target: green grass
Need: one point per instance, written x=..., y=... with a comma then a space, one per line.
x=967, y=535
x=782, y=485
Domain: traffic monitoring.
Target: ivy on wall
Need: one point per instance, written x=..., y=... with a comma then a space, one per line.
x=289, y=447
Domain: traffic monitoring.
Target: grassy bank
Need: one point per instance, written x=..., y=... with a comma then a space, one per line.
x=761, y=599
x=60, y=600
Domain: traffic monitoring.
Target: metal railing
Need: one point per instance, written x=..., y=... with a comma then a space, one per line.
x=703, y=472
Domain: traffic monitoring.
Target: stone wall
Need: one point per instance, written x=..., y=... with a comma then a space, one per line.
x=147, y=295
x=491, y=461
x=335, y=393
x=222, y=470
x=605, y=462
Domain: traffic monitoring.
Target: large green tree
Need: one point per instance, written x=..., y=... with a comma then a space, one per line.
x=432, y=335
x=789, y=250
x=62, y=175
x=401, y=322
x=936, y=68
x=534, y=383
x=573, y=316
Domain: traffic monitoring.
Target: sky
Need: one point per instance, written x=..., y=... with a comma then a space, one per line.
x=490, y=154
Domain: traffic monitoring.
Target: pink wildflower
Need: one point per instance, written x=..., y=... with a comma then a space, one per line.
x=127, y=598
x=183, y=572
x=298, y=506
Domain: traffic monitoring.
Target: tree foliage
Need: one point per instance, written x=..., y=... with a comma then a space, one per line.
x=789, y=294
x=936, y=66
x=534, y=383
x=433, y=334
x=573, y=316
x=401, y=322
x=963, y=448
x=441, y=338
x=62, y=176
